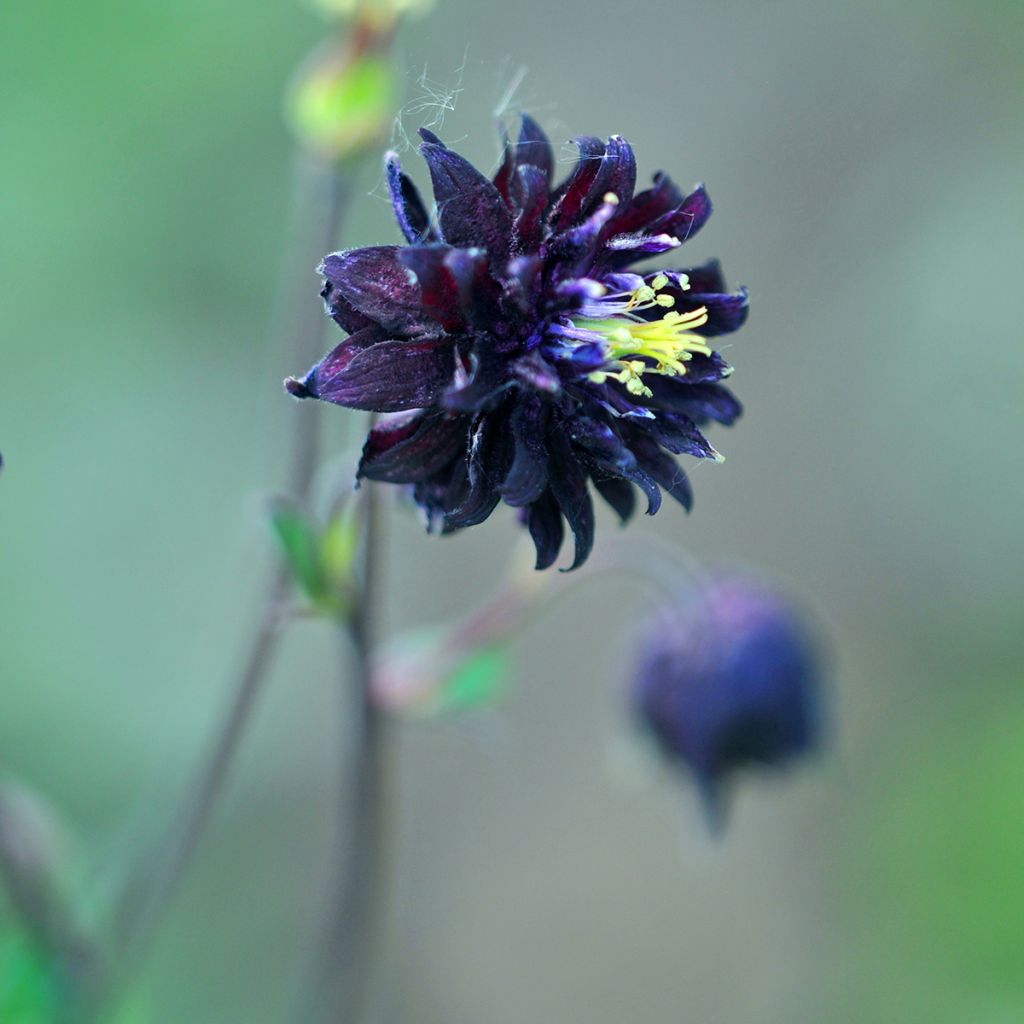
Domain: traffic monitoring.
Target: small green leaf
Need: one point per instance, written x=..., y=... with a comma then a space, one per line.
x=477, y=680
x=338, y=548
x=301, y=546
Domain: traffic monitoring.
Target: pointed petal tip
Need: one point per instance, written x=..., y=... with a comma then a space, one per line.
x=297, y=388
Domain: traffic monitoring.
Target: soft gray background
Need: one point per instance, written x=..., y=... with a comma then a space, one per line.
x=866, y=162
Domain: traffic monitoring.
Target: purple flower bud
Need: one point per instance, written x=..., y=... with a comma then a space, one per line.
x=727, y=679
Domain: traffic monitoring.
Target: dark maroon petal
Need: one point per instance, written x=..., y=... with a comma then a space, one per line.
x=479, y=293
x=439, y=290
x=679, y=435
x=487, y=377
x=691, y=215
x=391, y=376
x=618, y=493
x=534, y=149
x=572, y=197
x=621, y=176
x=528, y=476
x=410, y=212
x=535, y=370
x=335, y=362
x=701, y=402
x=708, y=277
x=645, y=207
x=664, y=469
x=727, y=312
x=607, y=453
x=342, y=312
x=702, y=369
x=569, y=487
x=507, y=169
x=375, y=283
x=470, y=209
x=473, y=494
x=544, y=522
x=408, y=450
x=530, y=200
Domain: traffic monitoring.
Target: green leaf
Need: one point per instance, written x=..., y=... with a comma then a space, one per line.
x=477, y=680
x=338, y=548
x=300, y=544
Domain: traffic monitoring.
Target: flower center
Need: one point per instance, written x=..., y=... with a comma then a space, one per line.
x=635, y=346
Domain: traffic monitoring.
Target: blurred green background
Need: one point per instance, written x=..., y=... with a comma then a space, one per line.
x=866, y=163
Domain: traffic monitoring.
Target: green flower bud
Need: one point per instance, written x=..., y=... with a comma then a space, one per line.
x=343, y=102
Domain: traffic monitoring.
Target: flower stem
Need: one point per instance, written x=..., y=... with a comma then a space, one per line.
x=340, y=985
x=318, y=201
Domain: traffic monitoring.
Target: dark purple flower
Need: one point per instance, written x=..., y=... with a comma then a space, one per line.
x=518, y=358
x=727, y=679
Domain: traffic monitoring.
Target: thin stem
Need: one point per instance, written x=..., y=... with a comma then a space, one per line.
x=318, y=199
x=341, y=982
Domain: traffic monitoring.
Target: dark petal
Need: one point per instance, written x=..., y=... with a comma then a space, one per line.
x=645, y=207
x=479, y=293
x=569, y=487
x=410, y=212
x=701, y=402
x=375, y=283
x=528, y=477
x=618, y=493
x=533, y=369
x=621, y=177
x=702, y=369
x=625, y=249
x=506, y=171
x=581, y=188
x=522, y=279
x=727, y=312
x=470, y=209
x=664, y=469
x=473, y=493
x=534, y=149
x=391, y=376
x=544, y=522
x=408, y=450
x=607, y=453
x=691, y=215
x=530, y=200
x=342, y=312
x=332, y=364
x=679, y=435
x=439, y=290
x=488, y=375
x=708, y=277
x=575, y=247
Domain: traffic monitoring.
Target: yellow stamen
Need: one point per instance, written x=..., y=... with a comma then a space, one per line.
x=669, y=342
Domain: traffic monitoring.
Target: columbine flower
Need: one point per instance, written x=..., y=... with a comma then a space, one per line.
x=522, y=357
x=727, y=679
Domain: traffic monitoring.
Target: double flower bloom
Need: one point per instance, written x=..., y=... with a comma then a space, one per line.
x=517, y=357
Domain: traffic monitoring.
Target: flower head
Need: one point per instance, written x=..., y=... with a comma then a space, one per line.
x=727, y=679
x=519, y=357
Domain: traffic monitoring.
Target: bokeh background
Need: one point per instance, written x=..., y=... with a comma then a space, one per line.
x=866, y=162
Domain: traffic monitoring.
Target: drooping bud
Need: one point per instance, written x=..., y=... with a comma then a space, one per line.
x=728, y=680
